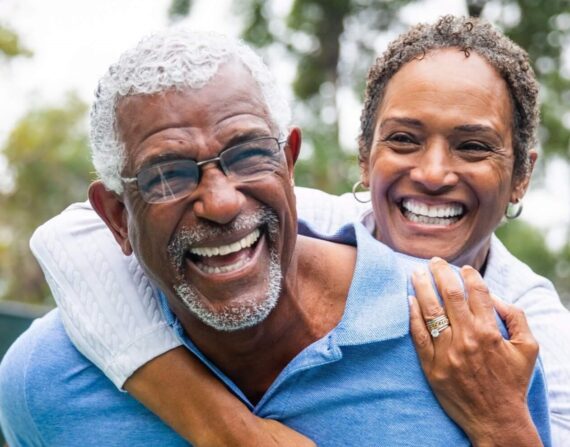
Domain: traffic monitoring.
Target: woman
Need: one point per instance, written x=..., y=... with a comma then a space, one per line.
x=443, y=152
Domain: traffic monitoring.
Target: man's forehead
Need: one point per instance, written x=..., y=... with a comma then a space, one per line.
x=231, y=85
x=229, y=104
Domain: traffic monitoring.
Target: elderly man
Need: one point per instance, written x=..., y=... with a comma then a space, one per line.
x=196, y=167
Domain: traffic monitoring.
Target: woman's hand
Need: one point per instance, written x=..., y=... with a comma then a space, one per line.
x=479, y=378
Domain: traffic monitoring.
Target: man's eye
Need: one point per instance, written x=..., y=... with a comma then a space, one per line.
x=171, y=177
x=253, y=160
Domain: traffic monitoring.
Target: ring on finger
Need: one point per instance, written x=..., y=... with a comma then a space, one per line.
x=437, y=325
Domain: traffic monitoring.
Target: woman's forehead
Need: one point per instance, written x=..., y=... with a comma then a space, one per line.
x=445, y=80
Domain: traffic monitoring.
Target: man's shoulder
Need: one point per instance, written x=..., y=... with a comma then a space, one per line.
x=38, y=365
x=29, y=373
x=39, y=350
x=50, y=394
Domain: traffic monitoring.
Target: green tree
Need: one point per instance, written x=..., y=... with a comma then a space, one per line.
x=49, y=166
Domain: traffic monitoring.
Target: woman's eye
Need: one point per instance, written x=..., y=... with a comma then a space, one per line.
x=400, y=137
x=475, y=146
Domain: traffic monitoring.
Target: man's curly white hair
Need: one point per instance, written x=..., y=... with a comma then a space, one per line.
x=172, y=58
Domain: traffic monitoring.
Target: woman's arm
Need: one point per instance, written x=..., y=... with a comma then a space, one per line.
x=480, y=379
x=182, y=391
x=110, y=313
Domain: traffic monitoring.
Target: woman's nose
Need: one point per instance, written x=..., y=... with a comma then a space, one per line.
x=436, y=168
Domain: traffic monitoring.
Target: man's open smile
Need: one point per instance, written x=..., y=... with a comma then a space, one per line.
x=225, y=258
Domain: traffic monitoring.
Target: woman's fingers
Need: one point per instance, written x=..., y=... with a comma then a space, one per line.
x=517, y=324
x=429, y=305
x=420, y=335
x=450, y=290
x=479, y=301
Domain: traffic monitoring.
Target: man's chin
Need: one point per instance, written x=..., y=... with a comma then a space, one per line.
x=241, y=312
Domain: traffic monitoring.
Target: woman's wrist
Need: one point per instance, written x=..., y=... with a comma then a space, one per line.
x=520, y=432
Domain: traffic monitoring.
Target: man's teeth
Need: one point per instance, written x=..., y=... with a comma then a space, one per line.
x=223, y=268
x=431, y=214
x=222, y=250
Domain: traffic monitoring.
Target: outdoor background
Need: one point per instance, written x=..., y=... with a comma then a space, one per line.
x=53, y=52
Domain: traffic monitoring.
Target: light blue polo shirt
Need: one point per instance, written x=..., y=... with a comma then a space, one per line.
x=361, y=385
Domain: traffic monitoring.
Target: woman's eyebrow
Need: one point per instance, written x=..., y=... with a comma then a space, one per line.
x=477, y=128
x=405, y=121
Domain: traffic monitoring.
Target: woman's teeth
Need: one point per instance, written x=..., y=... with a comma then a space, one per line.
x=420, y=212
x=222, y=250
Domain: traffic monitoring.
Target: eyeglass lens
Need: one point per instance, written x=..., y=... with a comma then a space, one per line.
x=171, y=180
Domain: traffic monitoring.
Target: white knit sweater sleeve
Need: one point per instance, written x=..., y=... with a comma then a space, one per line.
x=108, y=306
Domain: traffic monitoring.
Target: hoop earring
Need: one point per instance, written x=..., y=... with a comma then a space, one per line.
x=357, y=185
x=514, y=210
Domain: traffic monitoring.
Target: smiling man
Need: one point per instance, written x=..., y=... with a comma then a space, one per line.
x=190, y=141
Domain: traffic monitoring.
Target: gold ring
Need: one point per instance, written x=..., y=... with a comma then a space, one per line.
x=437, y=325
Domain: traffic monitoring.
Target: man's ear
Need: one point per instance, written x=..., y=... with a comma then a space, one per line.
x=521, y=185
x=292, y=149
x=111, y=210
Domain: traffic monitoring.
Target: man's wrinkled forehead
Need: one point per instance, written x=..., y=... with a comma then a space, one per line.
x=232, y=77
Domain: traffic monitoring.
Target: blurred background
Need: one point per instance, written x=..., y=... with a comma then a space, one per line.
x=52, y=53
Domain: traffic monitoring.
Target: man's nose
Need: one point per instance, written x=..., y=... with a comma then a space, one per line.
x=435, y=169
x=216, y=198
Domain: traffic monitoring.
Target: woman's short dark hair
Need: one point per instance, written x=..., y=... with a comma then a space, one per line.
x=468, y=35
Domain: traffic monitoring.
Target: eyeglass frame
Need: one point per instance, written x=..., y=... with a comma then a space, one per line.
x=199, y=164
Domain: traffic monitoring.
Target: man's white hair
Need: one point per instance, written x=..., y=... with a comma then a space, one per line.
x=175, y=57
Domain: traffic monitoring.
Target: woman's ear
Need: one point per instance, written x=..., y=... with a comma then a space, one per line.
x=364, y=171
x=520, y=186
x=110, y=207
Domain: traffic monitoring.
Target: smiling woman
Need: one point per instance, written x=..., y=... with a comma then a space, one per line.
x=441, y=164
x=448, y=133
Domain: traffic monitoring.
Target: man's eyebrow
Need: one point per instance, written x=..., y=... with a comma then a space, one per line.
x=245, y=136
x=405, y=121
x=160, y=158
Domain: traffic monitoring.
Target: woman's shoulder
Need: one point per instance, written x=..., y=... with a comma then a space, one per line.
x=511, y=279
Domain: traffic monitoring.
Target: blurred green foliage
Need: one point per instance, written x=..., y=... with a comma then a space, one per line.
x=48, y=158
x=10, y=45
x=179, y=9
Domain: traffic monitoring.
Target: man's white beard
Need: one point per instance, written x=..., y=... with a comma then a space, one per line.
x=247, y=311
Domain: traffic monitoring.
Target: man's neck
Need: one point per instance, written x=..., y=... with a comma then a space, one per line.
x=311, y=304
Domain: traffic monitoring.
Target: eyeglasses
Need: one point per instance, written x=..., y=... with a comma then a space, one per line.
x=171, y=180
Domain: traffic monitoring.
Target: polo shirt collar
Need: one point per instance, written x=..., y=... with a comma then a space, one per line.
x=377, y=306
